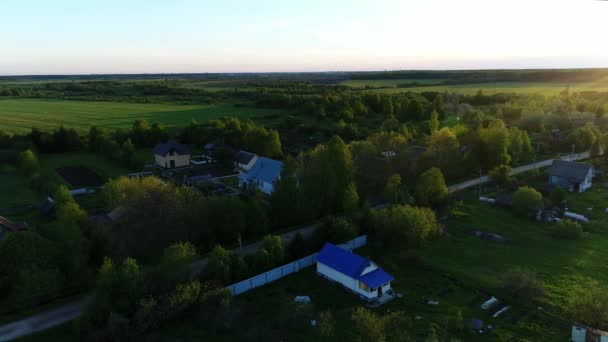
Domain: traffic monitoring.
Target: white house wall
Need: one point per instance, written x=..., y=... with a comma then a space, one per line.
x=165, y=161
x=346, y=281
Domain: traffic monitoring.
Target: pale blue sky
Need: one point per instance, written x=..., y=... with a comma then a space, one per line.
x=134, y=36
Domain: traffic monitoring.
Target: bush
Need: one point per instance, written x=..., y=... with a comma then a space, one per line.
x=557, y=196
x=431, y=188
x=523, y=285
x=588, y=304
x=500, y=174
x=527, y=201
x=567, y=229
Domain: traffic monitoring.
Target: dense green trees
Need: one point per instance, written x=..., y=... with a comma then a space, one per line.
x=431, y=188
x=243, y=134
x=31, y=271
x=501, y=174
x=403, y=225
x=326, y=178
x=285, y=201
x=5, y=138
x=28, y=163
x=156, y=214
x=394, y=191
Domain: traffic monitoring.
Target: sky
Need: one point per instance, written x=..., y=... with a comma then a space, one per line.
x=191, y=36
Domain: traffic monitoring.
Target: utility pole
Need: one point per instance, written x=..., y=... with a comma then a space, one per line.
x=572, y=155
x=480, y=175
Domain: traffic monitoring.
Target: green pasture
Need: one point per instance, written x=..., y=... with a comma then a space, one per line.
x=21, y=115
x=388, y=82
x=559, y=264
x=543, y=88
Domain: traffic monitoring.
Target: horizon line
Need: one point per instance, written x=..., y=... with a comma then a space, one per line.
x=299, y=72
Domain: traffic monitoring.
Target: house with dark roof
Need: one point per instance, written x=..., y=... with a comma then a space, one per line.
x=574, y=176
x=358, y=274
x=244, y=160
x=8, y=226
x=262, y=174
x=172, y=155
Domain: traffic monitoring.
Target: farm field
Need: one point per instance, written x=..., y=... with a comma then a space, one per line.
x=543, y=88
x=559, y=264
x=21, y=115
x=388, y=82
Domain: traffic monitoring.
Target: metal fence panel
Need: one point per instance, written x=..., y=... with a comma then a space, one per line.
x=282, y=271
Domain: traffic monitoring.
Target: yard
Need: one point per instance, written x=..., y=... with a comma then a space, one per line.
x=285, y=320
x=560, y=264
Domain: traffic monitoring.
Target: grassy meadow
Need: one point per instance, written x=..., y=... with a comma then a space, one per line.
x=559, y=264
x=543, y=88
x=21, y=115
x=389, y=82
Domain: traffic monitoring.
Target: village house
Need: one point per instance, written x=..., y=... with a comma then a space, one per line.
x=358, y=274
x=7, y=226
x=574, y=176
x=244, y=160
x=262, y=174
x=171, y=155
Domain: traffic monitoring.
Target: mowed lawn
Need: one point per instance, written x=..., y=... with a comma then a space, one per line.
x=560, y=264
x=21, y=115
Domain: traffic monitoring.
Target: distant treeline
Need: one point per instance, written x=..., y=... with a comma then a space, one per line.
x=482, y=76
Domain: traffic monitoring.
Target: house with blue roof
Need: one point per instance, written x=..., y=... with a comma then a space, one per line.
x=358, y=274
x=263, y=175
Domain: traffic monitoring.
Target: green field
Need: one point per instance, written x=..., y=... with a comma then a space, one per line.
x=388, y=82
x=543, y=88
x=560, y=264
x=21, y=115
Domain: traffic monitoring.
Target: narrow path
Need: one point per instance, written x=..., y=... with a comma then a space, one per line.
x=515, y=171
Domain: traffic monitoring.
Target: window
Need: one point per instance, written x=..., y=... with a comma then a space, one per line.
x=554, y=179
x=363, y=287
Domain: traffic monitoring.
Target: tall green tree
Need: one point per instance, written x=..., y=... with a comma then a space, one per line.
x=431, y=188
x=327, y=176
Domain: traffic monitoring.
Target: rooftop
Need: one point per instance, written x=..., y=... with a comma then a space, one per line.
x=569, y=169
x=265, y=169
x=352, y=265
x=171, y=145
x=244, y=157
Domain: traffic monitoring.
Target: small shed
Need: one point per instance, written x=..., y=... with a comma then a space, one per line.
x=581, y=333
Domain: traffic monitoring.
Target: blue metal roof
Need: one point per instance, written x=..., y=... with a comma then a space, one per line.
x=376, y=278
x=264, y=169
x=352, y=265
x=342, y=261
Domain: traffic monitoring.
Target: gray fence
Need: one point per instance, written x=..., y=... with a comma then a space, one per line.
x=285, y=270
